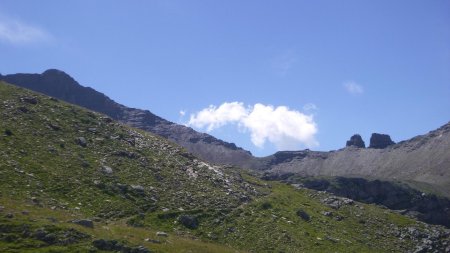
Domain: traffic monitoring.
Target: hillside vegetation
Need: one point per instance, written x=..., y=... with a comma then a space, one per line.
x=72, y=180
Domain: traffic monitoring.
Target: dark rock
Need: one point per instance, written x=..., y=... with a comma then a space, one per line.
x=124, y=153
x=81, y=141
x=407, y=201
x=356, y=141
x=8, y=132
x=45, y=236
x=380, y=141
x=23, y=109
x=9, y=215
x=35, y=200
x=54, y=126
x=40, y=234
x=30, y=100
x=9, y=238
x=107, y=245
x=266, y=205
x=84, y=222
x=188, y=221
x=113, y=245
x=303, y=214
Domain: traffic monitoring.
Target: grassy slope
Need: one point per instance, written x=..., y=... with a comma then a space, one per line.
x=48, y=179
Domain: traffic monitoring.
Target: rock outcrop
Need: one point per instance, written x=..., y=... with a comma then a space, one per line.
x=356, y=141
x=422, y=161
x=380, y=141
x=425, y=207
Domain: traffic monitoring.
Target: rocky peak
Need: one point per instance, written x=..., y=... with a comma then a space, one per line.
x=356, y=141
x=55, y=72
x=380, y=141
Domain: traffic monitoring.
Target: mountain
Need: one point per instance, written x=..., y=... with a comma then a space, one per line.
x=74, y=180
x=60, y=85
x=423, y=161
x=417, y=171
x=412, y=176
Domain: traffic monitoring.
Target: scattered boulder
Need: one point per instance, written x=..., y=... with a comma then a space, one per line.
x=23, y=109
x=107, y=170
x=380, y=141
x=137, y=187
x=108, y=245
x=303, y=214
x=152, y=240
x=54, y=126
x=188, y=221
x=29, y=100
x=45, y=236
x=113, y=245
x=81, y=141
x=84, y=222
x=326, y=213
x=125, y=153
x=163, y=234
x=266, y=205
x=8, y=132
x=356, y=141
x=337, y=202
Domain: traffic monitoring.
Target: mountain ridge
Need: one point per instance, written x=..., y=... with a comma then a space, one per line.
x=59, y=84
x=421, y=161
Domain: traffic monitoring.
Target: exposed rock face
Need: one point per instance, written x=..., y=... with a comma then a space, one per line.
x=356, y=141
x=425, y=207
x=380, y=141
x=58, y=84
x=423, y=161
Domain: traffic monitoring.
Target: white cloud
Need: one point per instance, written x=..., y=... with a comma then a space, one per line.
x=16, y=32
x=182, y=113
x=353, y=88
x=285, y=128
x=214, y=117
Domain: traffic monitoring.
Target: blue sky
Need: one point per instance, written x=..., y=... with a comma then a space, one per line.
x=267, y=75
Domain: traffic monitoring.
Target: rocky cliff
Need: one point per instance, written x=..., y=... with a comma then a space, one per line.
x=423, y=162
